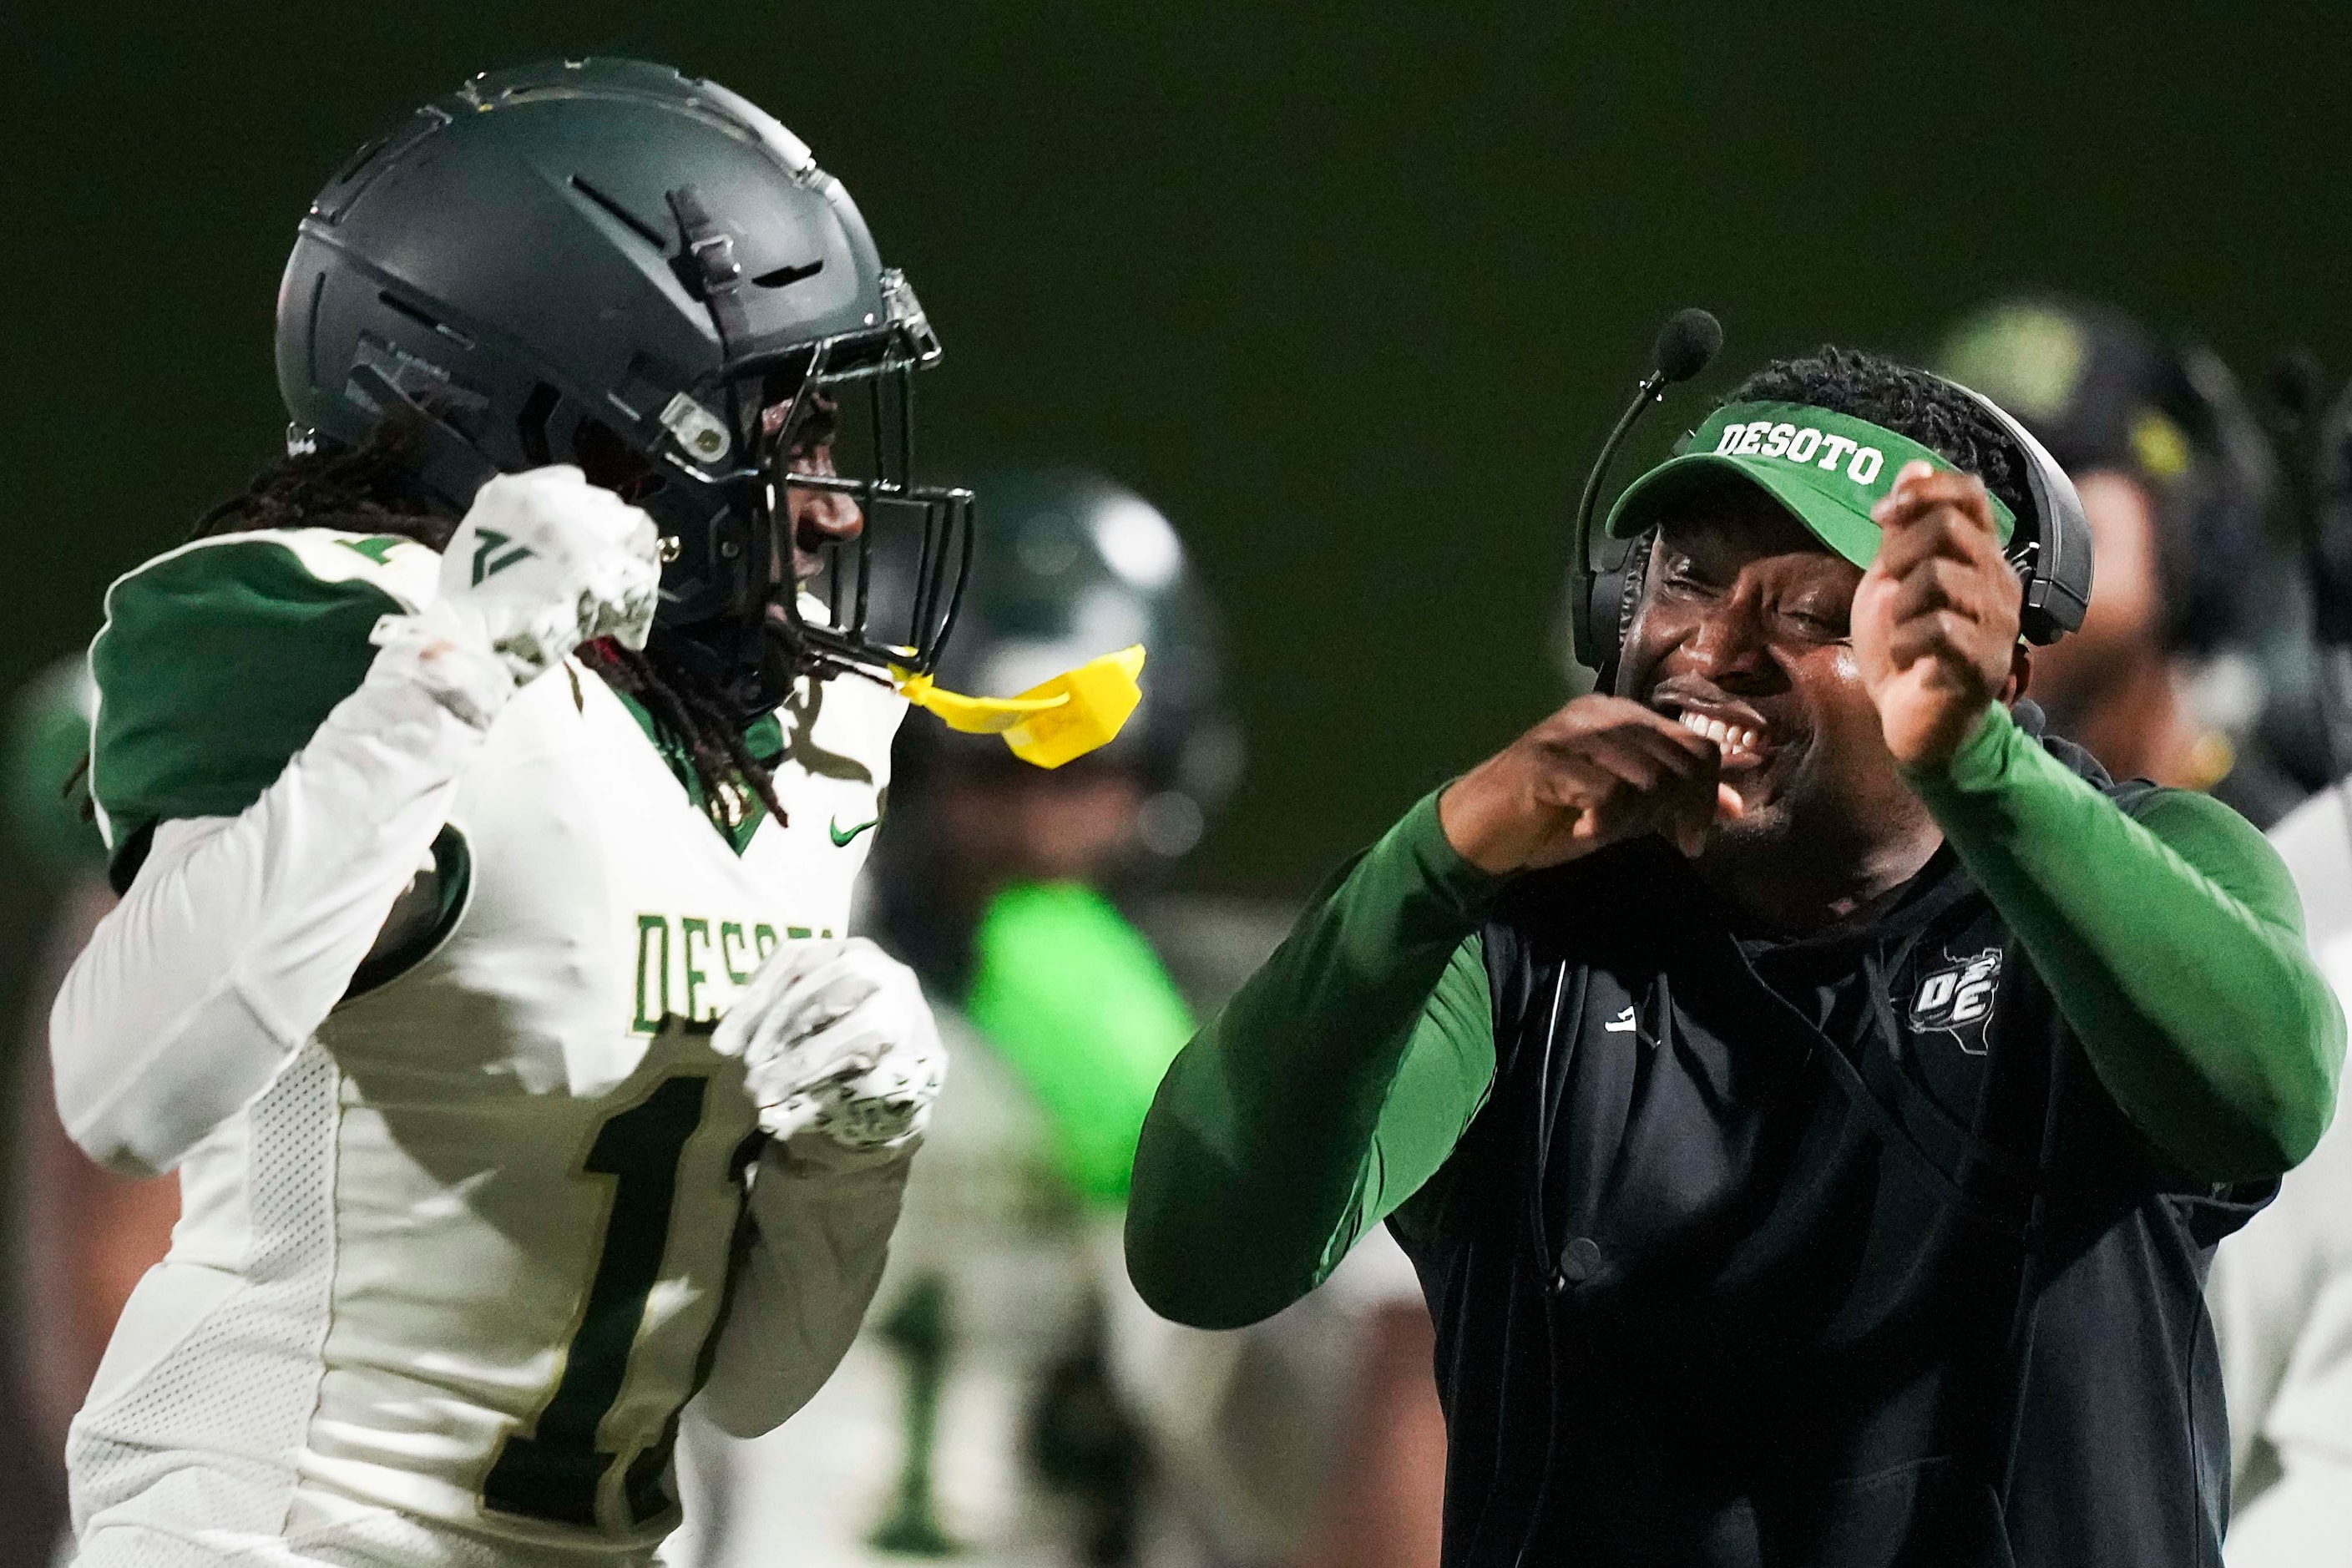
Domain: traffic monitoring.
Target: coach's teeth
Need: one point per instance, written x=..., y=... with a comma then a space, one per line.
x=1729, y=737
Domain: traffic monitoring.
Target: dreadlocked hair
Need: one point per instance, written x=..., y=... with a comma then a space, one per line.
x=368, y=489
x=1928, y=408
x=372, y=488
x=687, y=708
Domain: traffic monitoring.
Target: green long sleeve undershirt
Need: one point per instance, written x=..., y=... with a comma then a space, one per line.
x=1338, y=1081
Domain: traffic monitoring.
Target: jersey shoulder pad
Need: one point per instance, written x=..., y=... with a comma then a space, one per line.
x=218, y=660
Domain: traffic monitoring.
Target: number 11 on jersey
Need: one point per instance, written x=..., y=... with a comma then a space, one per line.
x=556, y=1472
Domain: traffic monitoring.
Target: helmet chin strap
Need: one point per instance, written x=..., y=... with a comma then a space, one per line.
x=706, y=265
x=734, y=656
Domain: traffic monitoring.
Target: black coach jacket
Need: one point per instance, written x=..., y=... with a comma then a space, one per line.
x=1828, y=1252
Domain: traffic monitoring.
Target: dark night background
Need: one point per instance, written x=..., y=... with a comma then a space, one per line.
x=1352, y=292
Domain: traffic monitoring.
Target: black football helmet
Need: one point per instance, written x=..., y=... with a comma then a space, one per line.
x=565, y=253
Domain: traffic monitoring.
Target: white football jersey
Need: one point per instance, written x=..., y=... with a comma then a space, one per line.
x=923, y=1443
x=441, y=1292
x=1006, y=1318
x=2281, y=1290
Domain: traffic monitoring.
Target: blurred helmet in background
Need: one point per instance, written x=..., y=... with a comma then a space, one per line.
x=1077, y=565
x=2160, y=431
x=2104, y=392
x=2332, y=499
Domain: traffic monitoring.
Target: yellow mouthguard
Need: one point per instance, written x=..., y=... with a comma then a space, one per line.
x=1046, y=725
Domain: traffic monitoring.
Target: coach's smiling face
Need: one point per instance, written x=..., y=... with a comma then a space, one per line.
x=1743, y=632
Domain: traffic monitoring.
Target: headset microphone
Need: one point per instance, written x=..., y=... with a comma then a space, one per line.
x=1686, y=343
x=1689, y=339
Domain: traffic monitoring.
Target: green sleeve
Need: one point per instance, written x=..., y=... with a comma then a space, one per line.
x=1076, y=1001
x=1327, y=1091
x=2171, y=938
x=218, y=661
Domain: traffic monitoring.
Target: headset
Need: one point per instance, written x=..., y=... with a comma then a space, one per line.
x=2050, y=549
x=2051, y=552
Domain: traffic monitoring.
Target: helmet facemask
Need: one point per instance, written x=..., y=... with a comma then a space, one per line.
x=743, y=614
x=871, y=447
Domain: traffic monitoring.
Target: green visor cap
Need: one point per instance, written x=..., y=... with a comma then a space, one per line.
x=1828, y=469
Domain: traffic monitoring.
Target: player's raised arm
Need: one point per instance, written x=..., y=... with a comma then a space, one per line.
x=264, y=843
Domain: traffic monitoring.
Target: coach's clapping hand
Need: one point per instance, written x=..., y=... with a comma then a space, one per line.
x=1601, y=770
x=1934, y=618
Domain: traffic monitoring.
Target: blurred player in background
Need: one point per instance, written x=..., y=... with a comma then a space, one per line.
x=2177, y=671
x=456, y=776
x=83, y=1234
x=1009, y=1400
x=2281, y=1290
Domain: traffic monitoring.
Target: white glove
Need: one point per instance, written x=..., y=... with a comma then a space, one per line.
x=838, y=1048
x=542, y=562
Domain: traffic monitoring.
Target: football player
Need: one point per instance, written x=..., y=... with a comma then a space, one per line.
x=975, y=1414
x=458, y=777
x=1010, y=1399
x=2281, y=1290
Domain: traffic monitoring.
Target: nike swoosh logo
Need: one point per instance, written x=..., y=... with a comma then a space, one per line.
x=832, y=831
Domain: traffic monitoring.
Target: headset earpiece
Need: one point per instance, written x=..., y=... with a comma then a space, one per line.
x=1597, y=600
x=2051, y=547
x=1631, y=573
x=1615, y=593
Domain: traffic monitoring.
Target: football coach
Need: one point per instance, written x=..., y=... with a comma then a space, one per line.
x=1810, y=1096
